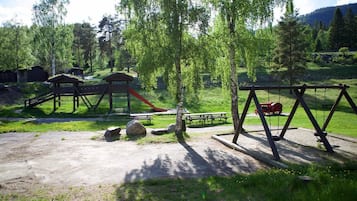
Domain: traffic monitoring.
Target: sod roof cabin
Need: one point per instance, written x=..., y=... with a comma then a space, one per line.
x=115, y=77
x=65, y=78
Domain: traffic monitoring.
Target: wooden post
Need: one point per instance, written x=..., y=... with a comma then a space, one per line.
x=59, y=94
x=110, y=97
x=244, y=114
x=332, y=111
x=291, y=115
x=128, y=96
x=349, y=99
x=74, y=97
x=54, y=97
x=266, y=128
x=318, y=130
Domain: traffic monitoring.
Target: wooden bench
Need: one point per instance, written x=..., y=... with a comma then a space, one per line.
x=200, y=117
x=221, y=116
x=203, y=117
x=147, y=117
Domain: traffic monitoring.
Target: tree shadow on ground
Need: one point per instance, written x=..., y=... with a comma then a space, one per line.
x=195, y=162
x=294, y=151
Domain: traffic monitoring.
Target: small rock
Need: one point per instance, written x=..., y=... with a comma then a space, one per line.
x=31, y=120
x=305, y=178
x=112, y=134
x=171, y=128
x=134, y=128
x=159, y=132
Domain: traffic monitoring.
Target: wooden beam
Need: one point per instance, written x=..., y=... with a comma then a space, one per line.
x=318, y=130
x=266, y=128
x=332, y=110
x=244, y=114
x=291, y=115
x=256, y=88
x=350, y=101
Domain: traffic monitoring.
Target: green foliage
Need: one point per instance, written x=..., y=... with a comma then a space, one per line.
x=53, y=40
x=350, y=30
x=239, y=43
x=231, y=30
x=112, y=43
x=337, y=31
x=322, y=41
x=84, y=45
x=290, y=52
x=344, y=51
x=15, y=46
x=158, y=37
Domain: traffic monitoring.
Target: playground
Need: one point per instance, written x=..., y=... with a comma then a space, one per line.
x=117, y=85
x=57, y=159
x=62, y=159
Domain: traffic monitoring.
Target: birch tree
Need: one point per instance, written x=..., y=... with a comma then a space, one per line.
x=51, y=33
x=158, y=36
x=236, y=17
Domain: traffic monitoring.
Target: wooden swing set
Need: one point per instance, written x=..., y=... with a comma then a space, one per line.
x=299, y=92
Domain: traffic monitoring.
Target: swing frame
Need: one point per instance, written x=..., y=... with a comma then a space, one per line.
x=299, y=92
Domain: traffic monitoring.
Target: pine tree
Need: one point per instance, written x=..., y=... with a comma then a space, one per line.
x=291, y=46
x=337, y=31
x=350, y=30
x=318, y=45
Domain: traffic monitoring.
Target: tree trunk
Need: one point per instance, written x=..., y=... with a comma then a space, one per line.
x=233, y=76
x=111, y=63
x=179, y=84
x=53, y=50
x=179, y=88
x=91, y=60
x=53, y=63
x=17, y=54
x=234, y=90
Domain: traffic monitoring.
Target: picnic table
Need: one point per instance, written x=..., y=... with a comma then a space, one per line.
x=205, y=117
x=143, y=116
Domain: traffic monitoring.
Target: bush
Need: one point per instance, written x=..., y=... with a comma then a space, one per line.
x=344, y=51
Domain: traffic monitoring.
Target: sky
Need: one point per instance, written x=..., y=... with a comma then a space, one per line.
x=93, y=10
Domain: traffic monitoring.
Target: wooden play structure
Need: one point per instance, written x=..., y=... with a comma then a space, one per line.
x=69, y=85
x=299, y=92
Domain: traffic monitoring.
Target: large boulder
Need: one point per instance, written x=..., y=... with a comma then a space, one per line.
x=135, y=129
x=112, y=134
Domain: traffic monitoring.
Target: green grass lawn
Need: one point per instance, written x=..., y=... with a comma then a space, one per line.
x=328, y=183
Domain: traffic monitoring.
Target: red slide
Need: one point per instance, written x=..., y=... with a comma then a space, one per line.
x=138, y=96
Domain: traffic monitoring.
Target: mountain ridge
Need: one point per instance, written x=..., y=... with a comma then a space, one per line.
x=325, y=15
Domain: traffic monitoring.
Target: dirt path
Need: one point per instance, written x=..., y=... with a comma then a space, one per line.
x=66, y=159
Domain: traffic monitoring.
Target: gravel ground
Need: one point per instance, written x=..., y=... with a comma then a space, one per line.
x=62, y=159
x=58, y=160
x=299, y=146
